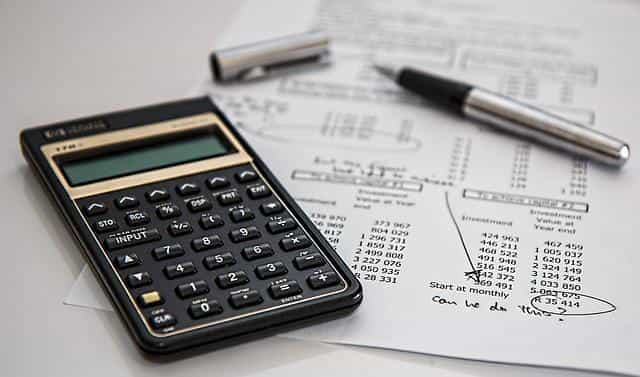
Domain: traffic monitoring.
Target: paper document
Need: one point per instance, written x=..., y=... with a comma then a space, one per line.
x=469, y=243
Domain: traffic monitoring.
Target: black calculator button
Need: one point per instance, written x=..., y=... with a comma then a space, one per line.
x=244, y=234
x=167, y=211
x=151, y=298
x=271, y=208
x=215, y=183
x=167, y=252
x=285, y=289
x=139, y=279
x=160, y=321
x=191, y=289
x=94, y=209
x=258, y=191
x=105, y=225
x=257, y=251
x=232, y=279
x=137, y=218
x=308, y=261
x=126, y=202
x=294, y=242
x=229, y=197
x=218, y=261
x=133, y=238
x=241, y=214
x=157, y=195
x=270, y=270
x=199, y=204
x=127, y=260
x=323, y=280
x=282, y=225
x=187, y=189
x=211, y=221
x=246, y=176
x=179, y=228
x=204, y=309
x=178, y=270
x=243, y=299
x=206, y=242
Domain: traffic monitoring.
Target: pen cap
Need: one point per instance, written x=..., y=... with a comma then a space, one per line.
x=268, y=57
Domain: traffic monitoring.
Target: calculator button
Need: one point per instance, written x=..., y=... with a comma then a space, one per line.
x=211, y=221
x=271, y=208
x=243, y=299
x=241, y=214
x=217, y=183
x=323, y=280
x=270, y=270
x=282, y=225
x=150, y=298
x=218, y=261
x=244, y=234
x=229, y=197
x=308, y=261
x=258, y=251
x=160, y=321
x=232, y=279
x=139, y=279
x=206, y=242
x=137, y=218
x=126, y=202
x=127, y=260
x=167, y=252
x=167, y=211
x=199, y=205
x=285, y=289
x=258, y=191
x=294, y=242
x=194, y=288
x=246, y=176
x=94, y=208
x=204, y=309
x=178, y=270
x=105, y=225
x=137, y=237
x=187, y=189
x=157, y=195
x=178, y=228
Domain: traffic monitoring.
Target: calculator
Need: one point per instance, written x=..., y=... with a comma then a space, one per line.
x=193, y=238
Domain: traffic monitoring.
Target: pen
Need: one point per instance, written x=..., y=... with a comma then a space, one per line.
x=510, y=115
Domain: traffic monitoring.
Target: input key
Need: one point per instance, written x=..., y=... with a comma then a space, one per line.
x=137, y=237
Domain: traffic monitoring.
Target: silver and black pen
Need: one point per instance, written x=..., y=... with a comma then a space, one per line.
x=510, y=115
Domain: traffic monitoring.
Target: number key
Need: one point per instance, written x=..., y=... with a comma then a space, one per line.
x=205, y=309
x=178, y=270
x=270, y=270
x=257, y=251
x=232, y=279
x=244, y=234
x=206, y=242
x=193, y=288
x=218, y=261
x=168, y=251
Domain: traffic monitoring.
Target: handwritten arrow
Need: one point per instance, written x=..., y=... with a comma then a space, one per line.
x=474, y=273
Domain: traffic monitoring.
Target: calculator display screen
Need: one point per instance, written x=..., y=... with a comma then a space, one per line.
x=144, y=157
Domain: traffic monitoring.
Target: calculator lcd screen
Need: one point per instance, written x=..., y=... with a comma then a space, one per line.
x=144, y=158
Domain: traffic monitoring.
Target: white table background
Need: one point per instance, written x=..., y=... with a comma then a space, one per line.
x=65, y=59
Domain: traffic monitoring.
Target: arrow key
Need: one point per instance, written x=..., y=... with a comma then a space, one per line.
x=127, y=260
x=127, y=201
x=94, y=208
x=270, y=208
x=139, y=279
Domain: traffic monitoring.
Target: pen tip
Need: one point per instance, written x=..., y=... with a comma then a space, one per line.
x=386, y=70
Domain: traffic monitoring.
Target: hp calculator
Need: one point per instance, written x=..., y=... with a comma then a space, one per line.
x=192, y=237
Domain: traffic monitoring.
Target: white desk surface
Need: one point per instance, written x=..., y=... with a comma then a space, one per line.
x=65, y=59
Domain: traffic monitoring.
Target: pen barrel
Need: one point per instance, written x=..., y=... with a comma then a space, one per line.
x=524, y=120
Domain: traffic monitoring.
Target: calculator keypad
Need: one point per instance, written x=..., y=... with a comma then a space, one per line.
x=222, y=244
